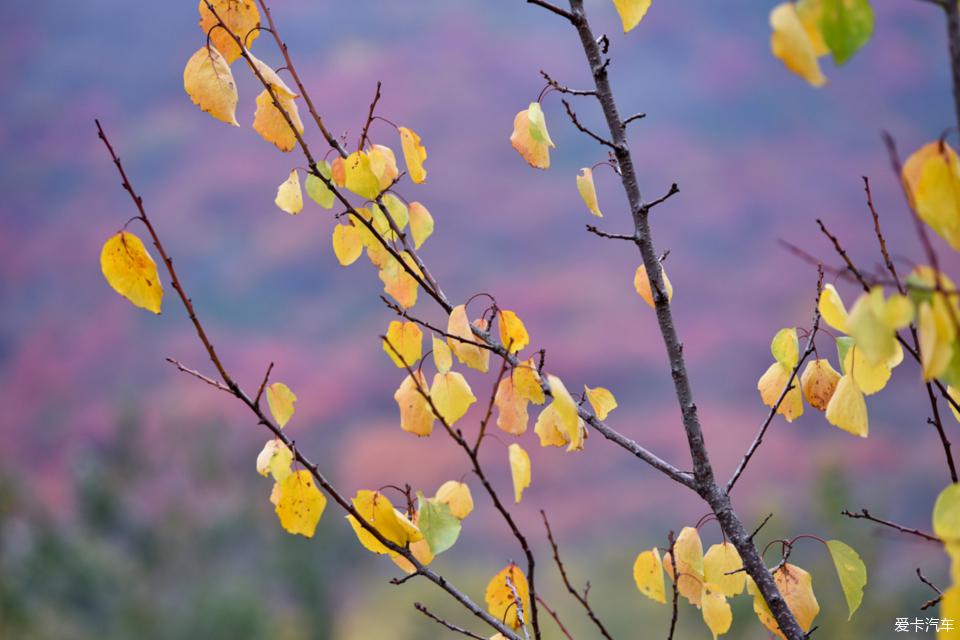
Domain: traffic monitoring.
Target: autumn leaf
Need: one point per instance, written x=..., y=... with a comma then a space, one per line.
x=569, y=417
x=722, y=567
x=451, y=396
x=519, y=470
x=832, y=308
x=501, y=602
x=377, y=511
x=601, y=400
x=465, y=348
x=530, y=138
x=300, y=504
x=289, y=196
x=791, y=43
x=847, y=408
x=275, y=459
x=414, y=154
x=208, y=81
x=398, y=283
x=241, y=17
x=648, y=575
x=416, y=415
x=715, y=609
x=526, y=382
x=688, y=551
x=457, y=496
x=269, y=122
x=269, y=75
x=588, y=191
x=383, y=165
x=403, y=343
x=347, y=244
x=873, y=323
x=631, y=12
x=796, y=587
x=818, y=382
x=131, y=271
x=512, y=332
x=512, y=416
x=642, y=285
x=281, y=400
x=931, y=177
x=421, y=224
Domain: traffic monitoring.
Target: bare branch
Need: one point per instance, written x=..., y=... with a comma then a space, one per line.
x=576, y=122
x=449, y=625
x=199, y=376
x=612, y=236
x=556, y=618
x=676, y=591
x=863, y=514
x=582, y=599
x=564, y=89
x=553, y=8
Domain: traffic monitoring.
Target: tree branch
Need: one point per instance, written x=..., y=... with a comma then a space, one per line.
x=863, y=514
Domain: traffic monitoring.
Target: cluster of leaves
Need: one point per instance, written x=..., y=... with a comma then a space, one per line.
x=807, y=30
x=708, y=580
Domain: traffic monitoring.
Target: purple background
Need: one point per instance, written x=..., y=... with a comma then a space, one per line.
x=758, y=156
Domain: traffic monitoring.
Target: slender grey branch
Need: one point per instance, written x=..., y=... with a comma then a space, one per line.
x=863, y=514
x=612, y=236
x=564, y=89
x=576, y=122
x=704, y=481
x=449, y=625
x=553, y=8
x=636, y=116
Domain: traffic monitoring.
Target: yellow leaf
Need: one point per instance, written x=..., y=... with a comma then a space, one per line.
x=502, y=603
x=950, y=610
x=451, y=396
x=416, y=416
x=648, y=575
x=847, y=408
x=466, y=350
x=269, y=122
x=549, y=427
x=810, y=13
x=785, y=348
x=937, y=333
x=567, y=412
x=771, y=385
x=601, y=400
x=631, y=12
x=689, y=565
x=421, y=224
x=414, y=154
x=720, y=568
x=420, y=549
x=405, y=339
x=791, y=43
x=383, y=165
x=376, y=511
x=536, y=153
x=289, y=196
x=513, y=334
x=275, y=459
x=642, y=284
x=317, y=189
x=796, y=587
x=300, y=504
x=241, y=17
x=347, y=244
x=819, y=380
x=397, y=281
x=281, y=399
x=456, y=495
x=526, y=382
x=932, y=178
x=716, y=610
x=954, y=393
x=873, y=323
x=588, y=191
x=868, y=377
x=269, y=75
x=832, y=309
x=208, y=81
x=519, y=470
x=512, y=414
x=359, y=176
x=442, y=357
x=131, y=271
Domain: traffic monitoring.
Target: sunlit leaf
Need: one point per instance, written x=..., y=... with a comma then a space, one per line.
x=131, y=271
x=519, y=470
x=281, y=400
x=208, y=81
x=300, y=504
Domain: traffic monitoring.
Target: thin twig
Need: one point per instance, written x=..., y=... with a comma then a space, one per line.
x=556, y=618
x=576, y=122
x=675, y=588
x=582, y=599
x=449, y=625
x=864, y=514
x=199, y=376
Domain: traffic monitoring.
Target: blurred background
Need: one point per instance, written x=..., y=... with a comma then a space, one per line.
x=129, y=503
